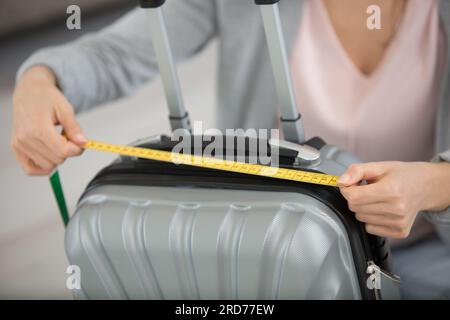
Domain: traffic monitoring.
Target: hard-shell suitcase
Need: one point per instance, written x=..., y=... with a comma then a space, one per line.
x=150, y=230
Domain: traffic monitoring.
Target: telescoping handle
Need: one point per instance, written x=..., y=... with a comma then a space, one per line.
x=291, y=122
x=290, y=118
x=179, y=118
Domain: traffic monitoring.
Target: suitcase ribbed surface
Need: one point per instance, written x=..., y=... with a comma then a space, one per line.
x=180, y=243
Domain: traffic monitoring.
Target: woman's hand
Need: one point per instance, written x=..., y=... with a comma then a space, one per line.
x=38, y=106
x=395, y=192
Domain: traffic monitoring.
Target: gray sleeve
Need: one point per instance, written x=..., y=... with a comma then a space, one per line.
x=441, y=220
x=113, y=62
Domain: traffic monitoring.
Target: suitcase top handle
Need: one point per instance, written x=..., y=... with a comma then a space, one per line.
x=151, y=3
x=291, y=122
x=266, y=1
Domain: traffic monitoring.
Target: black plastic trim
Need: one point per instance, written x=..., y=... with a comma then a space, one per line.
x=151, y=3
x=186, y=115
x=299, y=116
x=263, y=2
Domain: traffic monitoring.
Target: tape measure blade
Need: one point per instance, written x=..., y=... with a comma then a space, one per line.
x=214, y=163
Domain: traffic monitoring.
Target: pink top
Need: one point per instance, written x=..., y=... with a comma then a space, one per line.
x=388, y=115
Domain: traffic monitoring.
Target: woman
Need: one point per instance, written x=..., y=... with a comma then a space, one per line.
x=382, y=94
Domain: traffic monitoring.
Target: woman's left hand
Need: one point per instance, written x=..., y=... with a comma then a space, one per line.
x=395, y=192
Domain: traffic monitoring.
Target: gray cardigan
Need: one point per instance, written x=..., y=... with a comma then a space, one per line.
x=116, y=60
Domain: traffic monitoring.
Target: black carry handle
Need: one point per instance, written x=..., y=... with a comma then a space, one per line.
x=151, y=3
x=266, y=1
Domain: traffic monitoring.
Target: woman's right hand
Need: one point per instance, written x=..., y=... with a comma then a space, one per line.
x=38, y=106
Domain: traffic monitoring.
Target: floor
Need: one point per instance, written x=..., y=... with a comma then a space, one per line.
x=32, y=258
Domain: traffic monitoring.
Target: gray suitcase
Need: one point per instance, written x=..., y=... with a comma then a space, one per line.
x=150, y=230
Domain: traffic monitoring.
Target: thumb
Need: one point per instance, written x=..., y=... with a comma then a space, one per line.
x=361, y=171
x=72, y=129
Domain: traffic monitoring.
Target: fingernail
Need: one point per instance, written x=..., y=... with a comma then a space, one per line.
x=344, y=179
x=80, y=138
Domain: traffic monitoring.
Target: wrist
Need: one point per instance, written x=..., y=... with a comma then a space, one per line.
x=437, y=186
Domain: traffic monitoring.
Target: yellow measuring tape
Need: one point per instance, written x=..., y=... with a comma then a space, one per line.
x=215, y=163
x=192, y=160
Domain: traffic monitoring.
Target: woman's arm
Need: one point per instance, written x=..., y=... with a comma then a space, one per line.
x=395, y=193
x=114, y=61
x=55, y=82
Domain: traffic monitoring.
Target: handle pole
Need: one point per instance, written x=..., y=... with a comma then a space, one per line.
x=179, y=118
x=290, y=117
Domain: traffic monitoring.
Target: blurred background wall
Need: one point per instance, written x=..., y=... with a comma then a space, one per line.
x=32, y=258
x=20, y=15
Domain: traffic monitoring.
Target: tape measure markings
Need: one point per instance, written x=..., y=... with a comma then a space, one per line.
x=214, y=163
x=192, y=160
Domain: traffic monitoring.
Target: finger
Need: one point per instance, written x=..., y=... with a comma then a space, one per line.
x=32, y=151
x=376, y=219
x=28, y=166
x=73, y=150
x=366, y=194
x=362, y=171
x=380, y=208
x=381, y=231
x=66, y=117
x=59, y=146
x=58, y=156
x=49, y=152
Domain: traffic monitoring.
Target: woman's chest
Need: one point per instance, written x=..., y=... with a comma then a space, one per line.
x=353, y=21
